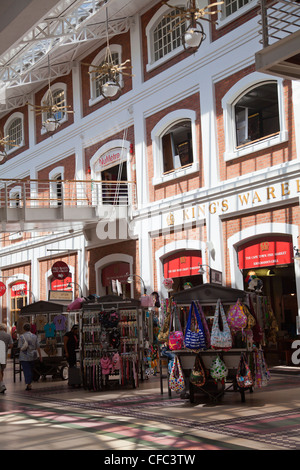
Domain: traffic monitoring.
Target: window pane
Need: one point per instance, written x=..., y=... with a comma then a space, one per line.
x=177, y=146
x=167, y=35
x=256, y=114
x=15, y=133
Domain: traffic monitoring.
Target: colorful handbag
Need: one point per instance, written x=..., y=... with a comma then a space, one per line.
x=176, y=379
x=197, y=376
x=244, y=377
x=175, y=337
x=236, y=318
x=163, y=334
x=194, y=339
x=204, y=323
x=220, y=334
x=218, y=369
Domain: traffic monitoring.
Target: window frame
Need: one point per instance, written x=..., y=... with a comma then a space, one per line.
x=155, y=20
x=228, y=104
x=55, y=87
x=115, y=49
x=54, y=176
x=6, y=128
x=161, y=128
x=223, y=20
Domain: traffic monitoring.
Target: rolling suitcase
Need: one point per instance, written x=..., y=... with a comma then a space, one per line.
x=75, y=378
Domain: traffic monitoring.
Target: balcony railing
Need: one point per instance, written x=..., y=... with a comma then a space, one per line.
x=31, y=193
x=279, y=19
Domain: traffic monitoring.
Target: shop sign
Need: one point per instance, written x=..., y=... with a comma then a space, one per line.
x=182, y=264
x=19, y=289
x=59, y=295
x=2, y=289
x=111, y=158
x=60, y=270
x=269, y=251
x=61, y=284
x=115, y=272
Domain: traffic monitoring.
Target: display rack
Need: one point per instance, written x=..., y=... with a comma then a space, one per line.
x=207, y=296
x=49, y=321
x=112, y=343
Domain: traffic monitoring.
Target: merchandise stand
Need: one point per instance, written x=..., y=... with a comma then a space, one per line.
x=49, y=321
x=207, y=296
x=112, y=343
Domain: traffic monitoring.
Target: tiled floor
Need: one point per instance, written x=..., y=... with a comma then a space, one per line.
x=54, y=417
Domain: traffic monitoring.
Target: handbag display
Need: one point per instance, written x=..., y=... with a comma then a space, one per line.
x=244, y=378
x=236, y=318
x=175, y=341
x=176, y=379
x=194, y=339
x=220, y=334
x=218, y=369
x=197, y=376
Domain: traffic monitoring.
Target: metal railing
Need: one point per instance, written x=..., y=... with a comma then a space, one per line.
x=52, y=193
x=279, y=19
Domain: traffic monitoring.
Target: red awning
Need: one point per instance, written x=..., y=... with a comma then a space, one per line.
x=116, y=271
x=182, y=264
x=266, y=251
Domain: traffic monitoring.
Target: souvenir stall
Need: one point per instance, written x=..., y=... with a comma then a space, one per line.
x=49, y=321
x=212, y=338
x=114, y=335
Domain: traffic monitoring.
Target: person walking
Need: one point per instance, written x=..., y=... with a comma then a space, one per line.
x=29, y=352
x=6, y=343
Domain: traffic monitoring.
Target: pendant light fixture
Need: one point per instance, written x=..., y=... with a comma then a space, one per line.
x=108, y=72
x=51, y=109
x=194, y=34
x=4, y=141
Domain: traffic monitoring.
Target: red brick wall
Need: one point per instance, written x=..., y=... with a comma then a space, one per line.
x=255, y=160
x=124, y=41
x=186, y=183
x=130, y=248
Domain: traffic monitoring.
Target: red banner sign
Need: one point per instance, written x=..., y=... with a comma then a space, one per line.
x=2, y=289
x=18, y=289
x=61, y=284
x=117, y=271
x=185, y=263
x=269, y=251
x=60, y=270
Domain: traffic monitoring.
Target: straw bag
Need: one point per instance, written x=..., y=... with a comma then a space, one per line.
x=220, y=334
x=194, y=339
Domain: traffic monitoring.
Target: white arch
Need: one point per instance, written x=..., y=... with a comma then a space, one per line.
x=166, y=250
x=110, y=259
x=254, y=231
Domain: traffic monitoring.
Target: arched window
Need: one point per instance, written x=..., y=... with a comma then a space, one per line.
x=164, y=34
x=254, y=118
x=56, y=176
x=59, y=97
x=257, y=114
x=174, y=146
x=13, y=129
x=97, y=82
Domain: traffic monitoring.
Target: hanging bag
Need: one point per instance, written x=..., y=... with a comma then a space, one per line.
x=204, y=323
x=218, y=369
x=236, y=318
x=175, y=337
x=197, y=376
x=244, y=378
x=176, y=379
x=194, y=339
x=220, y=336
x=163, y=335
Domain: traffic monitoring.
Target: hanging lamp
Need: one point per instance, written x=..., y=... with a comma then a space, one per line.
x=194, y=34
x=108, y=73
x=50, y=109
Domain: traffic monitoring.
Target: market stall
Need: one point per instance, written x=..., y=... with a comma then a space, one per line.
x=49, y=321
x=231, y=341
x=114, y=335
